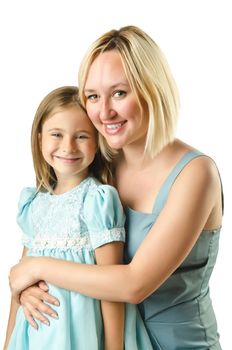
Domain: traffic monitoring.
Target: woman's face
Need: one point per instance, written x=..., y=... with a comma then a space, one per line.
x=111, y=104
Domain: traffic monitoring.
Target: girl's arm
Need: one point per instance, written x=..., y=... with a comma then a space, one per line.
x=11, y=321
x=12, y=315
x=112, y=312
x=193, y=202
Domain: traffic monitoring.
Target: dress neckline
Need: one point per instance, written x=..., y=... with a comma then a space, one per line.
x=67, y=193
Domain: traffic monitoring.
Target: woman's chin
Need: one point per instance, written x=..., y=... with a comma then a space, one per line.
x=115, y=146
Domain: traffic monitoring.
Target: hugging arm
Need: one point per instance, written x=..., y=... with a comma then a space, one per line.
x=33, y=299
x=192, y=201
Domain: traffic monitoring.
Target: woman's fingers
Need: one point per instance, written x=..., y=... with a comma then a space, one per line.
x=29, y=318
x=43, y=285
x=34, y=313
x=49, y=299
x=37, y=292
x=46, y=296
x=35, y=303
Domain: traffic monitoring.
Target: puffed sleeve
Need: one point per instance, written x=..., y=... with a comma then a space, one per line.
x=104, y=216
x=24, y=214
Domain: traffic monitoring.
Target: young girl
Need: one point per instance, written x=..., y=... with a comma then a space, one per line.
x=70, y=215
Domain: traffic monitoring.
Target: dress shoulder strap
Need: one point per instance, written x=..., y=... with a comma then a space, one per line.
x=167, y=185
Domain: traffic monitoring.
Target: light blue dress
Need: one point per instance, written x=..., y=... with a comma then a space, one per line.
x=70, y=226
x=179, y=315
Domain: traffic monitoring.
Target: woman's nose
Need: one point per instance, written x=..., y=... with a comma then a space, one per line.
x=106, y=111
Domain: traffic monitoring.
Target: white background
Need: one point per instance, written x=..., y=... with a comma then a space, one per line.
x=42, y=43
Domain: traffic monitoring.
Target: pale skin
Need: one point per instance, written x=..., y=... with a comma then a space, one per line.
x=68, y=144
x=194, y=203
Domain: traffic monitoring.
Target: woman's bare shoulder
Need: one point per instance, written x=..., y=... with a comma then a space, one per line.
x=204, y=163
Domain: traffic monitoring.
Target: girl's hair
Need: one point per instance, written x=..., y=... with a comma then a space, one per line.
x=149, y=77
x=61, y=98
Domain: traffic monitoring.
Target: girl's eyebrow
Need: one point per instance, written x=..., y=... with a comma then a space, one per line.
x=52, y=129
x=78, y=130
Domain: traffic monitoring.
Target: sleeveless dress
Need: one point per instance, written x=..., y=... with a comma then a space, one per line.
x=179, y=314
x=70, y=226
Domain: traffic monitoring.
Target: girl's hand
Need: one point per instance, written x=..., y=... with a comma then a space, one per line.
x=33, y=300
x=22, y=275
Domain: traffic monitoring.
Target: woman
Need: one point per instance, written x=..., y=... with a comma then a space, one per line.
x=171, y=193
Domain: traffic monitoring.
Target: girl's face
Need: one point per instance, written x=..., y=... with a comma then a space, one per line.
x=68, y=143
x=111, y=104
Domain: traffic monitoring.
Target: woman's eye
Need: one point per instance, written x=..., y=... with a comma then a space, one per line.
x=92, y=98
x=119, y=93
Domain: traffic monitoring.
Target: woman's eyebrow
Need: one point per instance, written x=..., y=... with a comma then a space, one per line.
x=111, y=87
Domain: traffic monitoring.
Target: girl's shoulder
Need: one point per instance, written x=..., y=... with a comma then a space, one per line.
x=102, y=198
x=23, y=217
x=103, y=214
x=26, y=196
x=101, y=192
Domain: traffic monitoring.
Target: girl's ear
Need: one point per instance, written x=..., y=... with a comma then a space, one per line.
x=40, y=140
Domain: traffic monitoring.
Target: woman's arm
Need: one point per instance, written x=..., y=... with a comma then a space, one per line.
x=192, y=200
x=112, y=312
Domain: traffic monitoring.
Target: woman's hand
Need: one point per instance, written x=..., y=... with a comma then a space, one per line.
x=33, y=300
x=23, y=275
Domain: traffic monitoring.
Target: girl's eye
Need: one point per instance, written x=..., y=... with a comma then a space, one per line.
x=56, y=134
x=82, y=137
x=119, y=93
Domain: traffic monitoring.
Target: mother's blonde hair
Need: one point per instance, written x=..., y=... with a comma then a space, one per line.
x=149, y=77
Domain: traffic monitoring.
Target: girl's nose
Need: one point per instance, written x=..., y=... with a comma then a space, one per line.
x=69, y=146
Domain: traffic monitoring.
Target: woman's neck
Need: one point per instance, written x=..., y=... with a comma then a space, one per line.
x=134, y=157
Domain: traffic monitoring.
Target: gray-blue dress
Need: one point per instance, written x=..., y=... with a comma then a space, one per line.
x=179, y=314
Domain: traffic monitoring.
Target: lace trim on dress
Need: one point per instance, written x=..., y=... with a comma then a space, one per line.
x=63, y=242
x=66, y=242
x=115, y=234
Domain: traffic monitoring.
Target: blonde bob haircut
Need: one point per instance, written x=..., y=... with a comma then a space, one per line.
x=58, y=100
x=149, y=77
